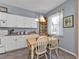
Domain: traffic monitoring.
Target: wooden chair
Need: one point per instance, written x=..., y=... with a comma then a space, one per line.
x=41, y=46
x=29, y=48
x=53, y=45
x=33, y=36
x=31, y=39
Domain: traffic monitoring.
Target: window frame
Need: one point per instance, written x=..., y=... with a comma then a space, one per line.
x=60, y=29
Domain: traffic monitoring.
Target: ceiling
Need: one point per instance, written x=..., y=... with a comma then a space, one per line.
x=40, y=6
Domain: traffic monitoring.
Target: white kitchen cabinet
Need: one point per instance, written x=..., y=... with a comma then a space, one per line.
x=3, y=19
x=7, y=20
x=2, y=49
x=11, y=20
x=3, y=23
x=25, y=40
x=21, y=42
x=11, y=43
x=15, y=42
x=20, y=21
x=26, y=23
x=0, y=15
x=3, y=16
x=2, y=44
x=2, y=41
x=30, y=22
x=33, y=23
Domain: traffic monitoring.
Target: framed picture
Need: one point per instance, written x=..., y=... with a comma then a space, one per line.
x=3, y=9
x=68, y=21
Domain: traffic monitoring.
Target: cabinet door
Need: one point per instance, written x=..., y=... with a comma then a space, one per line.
x=3, y=16
x=2, y=45
x=3, y=23
x=3, y=19
x=26, y=23
x=20, y=22
x=25, y=40
x=33, y=23
x=21, y=42
x=2, y=49
x=30, y=22
x=11, y=43
x=11, y=20
x=2, y=41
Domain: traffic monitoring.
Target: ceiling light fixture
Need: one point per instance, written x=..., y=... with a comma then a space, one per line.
x=42, y=19
x=36, y=19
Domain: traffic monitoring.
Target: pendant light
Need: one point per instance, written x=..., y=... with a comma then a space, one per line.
x=42, y=19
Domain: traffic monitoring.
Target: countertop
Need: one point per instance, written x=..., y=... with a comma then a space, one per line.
x=16, y=35
x=19, y=35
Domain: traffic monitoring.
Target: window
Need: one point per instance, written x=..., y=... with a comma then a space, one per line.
x=55, y=24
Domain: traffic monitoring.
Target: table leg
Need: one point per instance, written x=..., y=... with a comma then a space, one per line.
x=32, y=53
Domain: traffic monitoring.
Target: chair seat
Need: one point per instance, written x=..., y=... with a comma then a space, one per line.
x=42, y=52
x=52, y=48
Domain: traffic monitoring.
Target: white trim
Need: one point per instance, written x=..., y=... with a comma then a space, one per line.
x=67, y=51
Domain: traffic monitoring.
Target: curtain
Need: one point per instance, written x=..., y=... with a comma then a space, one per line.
x=55, y=24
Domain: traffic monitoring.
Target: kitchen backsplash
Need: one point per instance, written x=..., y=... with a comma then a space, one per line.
x=24, y=31
x=18, y=31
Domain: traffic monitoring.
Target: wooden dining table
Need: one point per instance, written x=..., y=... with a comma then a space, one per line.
x=32, y=43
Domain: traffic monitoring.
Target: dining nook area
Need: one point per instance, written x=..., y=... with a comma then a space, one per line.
x=39, y=46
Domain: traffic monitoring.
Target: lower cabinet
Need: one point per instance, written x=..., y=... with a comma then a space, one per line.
x=10, y=43
x=2, y=49
x=15, y=42
x=2, y=45
x=21, y=42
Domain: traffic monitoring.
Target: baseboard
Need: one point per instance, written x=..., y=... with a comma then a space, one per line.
x=14, y=50
x=65, y=50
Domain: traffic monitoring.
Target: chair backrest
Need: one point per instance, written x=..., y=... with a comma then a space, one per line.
x=33, y=36
x=53, y=42
x=42, y=43
x=30, y=39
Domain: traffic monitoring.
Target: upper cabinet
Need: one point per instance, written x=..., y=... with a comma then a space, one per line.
x=30, y=23
x=20, y=21
x=3, y=19
x=9, y=20
x=3, y=16
x=26, y=22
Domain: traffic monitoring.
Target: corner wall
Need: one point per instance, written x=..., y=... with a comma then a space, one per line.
x=68, y=40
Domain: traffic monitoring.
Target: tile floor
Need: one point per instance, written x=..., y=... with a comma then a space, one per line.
x=23, y=54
